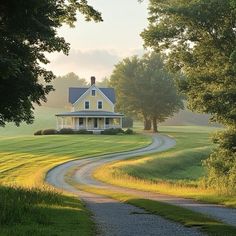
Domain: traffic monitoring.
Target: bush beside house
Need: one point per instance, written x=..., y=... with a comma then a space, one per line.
x=71, y=131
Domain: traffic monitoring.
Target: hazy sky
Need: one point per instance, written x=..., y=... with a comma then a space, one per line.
x=96, y=47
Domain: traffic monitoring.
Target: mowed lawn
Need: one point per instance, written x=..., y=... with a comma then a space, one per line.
x=178, y=171
x=24, y=160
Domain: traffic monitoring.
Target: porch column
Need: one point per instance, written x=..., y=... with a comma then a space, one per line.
x=57, y=123
x=104, y=122
x=86, y=123
x=73, y=122
x=65, y=122
x=62, y=122
x=120, y=122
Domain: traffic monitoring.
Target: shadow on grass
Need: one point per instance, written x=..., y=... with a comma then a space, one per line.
x=41, y=212
x=187, y=217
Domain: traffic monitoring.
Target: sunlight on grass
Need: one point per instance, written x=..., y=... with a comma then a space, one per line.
x=177, y=171
x=27, y=204
x=25, y=160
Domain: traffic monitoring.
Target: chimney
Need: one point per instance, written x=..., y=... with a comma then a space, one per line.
x=93, y=79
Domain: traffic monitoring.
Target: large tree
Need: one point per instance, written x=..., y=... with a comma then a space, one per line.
x=28, y=29
x=199, y=38
x=144, y=87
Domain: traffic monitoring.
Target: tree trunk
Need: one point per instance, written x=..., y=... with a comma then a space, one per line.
x=154, y=125
x=147, y=124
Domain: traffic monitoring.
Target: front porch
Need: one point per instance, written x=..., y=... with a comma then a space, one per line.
x=88, y=123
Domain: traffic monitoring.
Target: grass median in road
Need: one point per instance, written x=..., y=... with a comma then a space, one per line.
x=177, y=171
x=26, y=207
x=178, y=214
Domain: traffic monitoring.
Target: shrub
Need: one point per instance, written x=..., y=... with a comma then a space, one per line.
x=129, y=131
x=221, y=175
x=66, y=131
x=49, y=131
x=221, y=165
x=39, y=132
x=83, y=131
x=113, y=131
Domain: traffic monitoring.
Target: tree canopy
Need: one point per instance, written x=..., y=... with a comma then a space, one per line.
x=28, y=29
x=144, y=87
x=199, y=39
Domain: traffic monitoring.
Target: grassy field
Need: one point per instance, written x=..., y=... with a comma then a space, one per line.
x=44, y=119
x=177, y=171
x=24, y=160
x=40, y=212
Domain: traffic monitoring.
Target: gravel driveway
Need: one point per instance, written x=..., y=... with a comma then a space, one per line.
x=115, y=218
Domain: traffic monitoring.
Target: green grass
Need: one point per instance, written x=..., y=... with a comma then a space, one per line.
x=44, y=118
x=24, y=156
x=177, y=171
x=184, y=162
x=24, y=161
x=38, y=212
x=178, y=214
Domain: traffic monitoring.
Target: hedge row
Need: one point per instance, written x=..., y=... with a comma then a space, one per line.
x=62, y=131
x=71, y=131
x=113, y=131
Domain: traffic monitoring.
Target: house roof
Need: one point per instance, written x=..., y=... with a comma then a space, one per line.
x=91, y=114
x=76, y=93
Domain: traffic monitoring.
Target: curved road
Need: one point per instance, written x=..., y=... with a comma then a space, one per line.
x=115, y=218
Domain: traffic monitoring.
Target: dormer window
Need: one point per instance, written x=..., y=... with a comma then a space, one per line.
x=99, y=104
x=86, y=105
x=93, y=92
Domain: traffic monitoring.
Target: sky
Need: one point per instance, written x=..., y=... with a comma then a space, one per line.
x=97, y=47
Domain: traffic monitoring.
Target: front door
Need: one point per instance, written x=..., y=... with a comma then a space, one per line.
x=95, y=123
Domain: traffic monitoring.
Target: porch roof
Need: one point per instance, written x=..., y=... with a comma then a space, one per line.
x=91, y=114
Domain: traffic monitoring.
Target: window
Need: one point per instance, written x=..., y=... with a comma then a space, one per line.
x=81, y=121
x=93, y=92
x=99, y=104
x=86, y=105
x=107, y=121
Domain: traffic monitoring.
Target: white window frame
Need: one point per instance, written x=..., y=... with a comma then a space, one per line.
x=85, y=105
x=98, y=103
x=94, y=93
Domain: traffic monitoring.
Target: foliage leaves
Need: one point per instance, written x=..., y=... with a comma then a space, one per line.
x=28, y=29
x=144, y=87
x=199, y=38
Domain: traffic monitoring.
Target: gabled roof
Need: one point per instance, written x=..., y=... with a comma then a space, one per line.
x=76, y=93
x=110, y=94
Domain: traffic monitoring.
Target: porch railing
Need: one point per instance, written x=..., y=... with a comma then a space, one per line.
x=88, y=127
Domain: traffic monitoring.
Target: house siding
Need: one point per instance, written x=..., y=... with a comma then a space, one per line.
x=93, y=100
